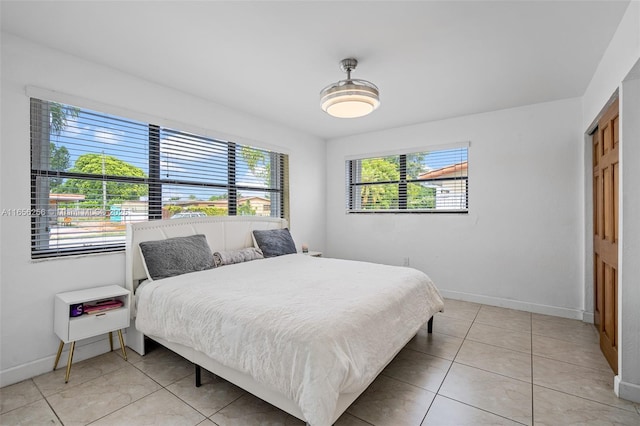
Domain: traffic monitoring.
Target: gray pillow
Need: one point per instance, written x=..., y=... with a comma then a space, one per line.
x=176, y=256
x=274, y=242
x=221, y=258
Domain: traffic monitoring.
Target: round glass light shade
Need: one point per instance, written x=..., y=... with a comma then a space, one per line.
x=349, y=98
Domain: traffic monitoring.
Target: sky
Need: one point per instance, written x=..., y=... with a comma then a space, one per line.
x=182, y=156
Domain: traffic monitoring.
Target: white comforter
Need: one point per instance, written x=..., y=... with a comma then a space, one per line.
x=308, y=327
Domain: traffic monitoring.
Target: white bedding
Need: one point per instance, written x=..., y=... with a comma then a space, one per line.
x=308, y=327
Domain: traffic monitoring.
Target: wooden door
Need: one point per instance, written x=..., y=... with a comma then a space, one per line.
x=605, y=230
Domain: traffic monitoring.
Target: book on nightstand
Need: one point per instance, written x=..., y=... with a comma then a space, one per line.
x=102, y=306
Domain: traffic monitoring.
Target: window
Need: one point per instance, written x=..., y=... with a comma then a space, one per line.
x=92, y=173
x=434, y=181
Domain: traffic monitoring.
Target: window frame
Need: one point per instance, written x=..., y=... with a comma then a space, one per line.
x=353, y=181
x=277, y=184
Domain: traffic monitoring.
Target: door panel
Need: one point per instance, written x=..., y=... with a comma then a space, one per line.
x=616, y=185
x=605, y=232
x=598, y=275
x=607, y=199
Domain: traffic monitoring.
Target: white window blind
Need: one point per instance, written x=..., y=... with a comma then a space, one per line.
x=92, y=173
x=434, y=181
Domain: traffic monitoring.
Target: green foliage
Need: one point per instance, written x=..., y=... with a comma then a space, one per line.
x=171, y=209
x=209, y=211
x=415, y=164
x=245, y=209
x=380, y=169
x=385, y=196
x=98, y=164
x=382, y=196
x=215, y=211
x=420, y=197
x=59, y=156
x=59, y=161
x=59, y=114
x=258, y=162
x=218, y=197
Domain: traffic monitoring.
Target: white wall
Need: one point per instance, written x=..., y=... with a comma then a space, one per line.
x=28, y=287
x=619, y=71
x=629, y=272
x=519, y=245
x=620, y=56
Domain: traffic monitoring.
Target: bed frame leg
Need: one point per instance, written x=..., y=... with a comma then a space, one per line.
x=430, y=325
x=198, y=376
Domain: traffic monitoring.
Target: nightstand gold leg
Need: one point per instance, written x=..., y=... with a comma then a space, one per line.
x=66, y=377
x=111, y=341
x=58, y=356
x=124, y=351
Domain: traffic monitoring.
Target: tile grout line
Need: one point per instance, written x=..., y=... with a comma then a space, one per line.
x=586, y=399
x=244, y=392
x=46, y=401
x=122, y=408
x=449, y=369
x=602, y=370
x=46, y=398
x=482, y=409
x=493, y=372
x=185, y=402
x=53, y=411
x=134, y=365
x=162, y=387
x=498, y=346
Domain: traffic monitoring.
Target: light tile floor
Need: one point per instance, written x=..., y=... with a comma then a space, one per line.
x=482, y=365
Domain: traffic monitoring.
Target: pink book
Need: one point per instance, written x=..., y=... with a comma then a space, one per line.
x=102, y=306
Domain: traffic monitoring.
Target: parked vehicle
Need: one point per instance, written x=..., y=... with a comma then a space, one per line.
x=188, y=214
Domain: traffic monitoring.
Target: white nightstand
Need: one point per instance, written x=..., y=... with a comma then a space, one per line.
x=71, y=329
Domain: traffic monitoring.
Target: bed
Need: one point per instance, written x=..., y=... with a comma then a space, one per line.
x=306, y=334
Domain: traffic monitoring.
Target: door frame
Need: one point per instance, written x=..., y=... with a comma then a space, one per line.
x=627, y=382
x=587, y=149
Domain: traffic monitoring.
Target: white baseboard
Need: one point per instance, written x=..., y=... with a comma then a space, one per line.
x=588, y=317
x=515, y=304
x=35, y=368
x=626, y=390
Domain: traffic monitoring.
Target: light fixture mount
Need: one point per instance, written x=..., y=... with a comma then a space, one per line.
x=349, y=98
x=348, y=65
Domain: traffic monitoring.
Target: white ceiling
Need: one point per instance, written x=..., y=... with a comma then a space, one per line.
x=431, y=60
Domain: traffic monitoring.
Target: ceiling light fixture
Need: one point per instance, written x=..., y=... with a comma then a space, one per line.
x=349, y=98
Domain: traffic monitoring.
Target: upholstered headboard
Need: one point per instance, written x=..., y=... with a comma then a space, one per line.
x=222, y=233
